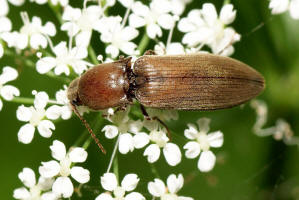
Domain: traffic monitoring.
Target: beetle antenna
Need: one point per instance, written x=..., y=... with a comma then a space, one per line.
x=89, y=129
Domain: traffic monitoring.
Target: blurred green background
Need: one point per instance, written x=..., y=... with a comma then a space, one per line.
x=248, y=167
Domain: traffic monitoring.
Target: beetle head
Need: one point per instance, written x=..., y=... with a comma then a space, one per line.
x=72, y=93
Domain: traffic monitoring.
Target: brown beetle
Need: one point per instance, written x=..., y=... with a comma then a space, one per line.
x=183, y=82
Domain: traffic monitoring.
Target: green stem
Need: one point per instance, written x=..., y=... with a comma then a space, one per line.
x=56, y=12
x=23, y=100
x=92, y=55
x=226, y=2
x=143, y=43
x=115, y=168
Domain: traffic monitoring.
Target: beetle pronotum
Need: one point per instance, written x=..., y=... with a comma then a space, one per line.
x=183, y=82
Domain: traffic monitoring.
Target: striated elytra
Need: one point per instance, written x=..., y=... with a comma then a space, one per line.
x=183, y=82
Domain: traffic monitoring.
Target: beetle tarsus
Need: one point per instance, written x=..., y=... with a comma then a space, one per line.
x=150, y=52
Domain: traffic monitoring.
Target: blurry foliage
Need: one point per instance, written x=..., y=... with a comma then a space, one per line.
x=248, y=167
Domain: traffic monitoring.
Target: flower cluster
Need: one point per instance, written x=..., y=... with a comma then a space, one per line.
x=54, y=181
x=281, y=6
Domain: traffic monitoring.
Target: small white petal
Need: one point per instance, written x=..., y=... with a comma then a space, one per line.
x=5, y=24
x=112, y=50
x=3, y=8
x=38, y=40
x=49, y=29
x=134, y=196
x=21, y=193
x=24, y=113
x=80, y=174
x=130, y=182
x=153, y=30
x=45, y=64
x=8, y=74
x=156, y=188
x=110, y=131
x=166, y=21
x=108, y=181
x=206, y=161
x=8, y=92
x=152, y=152
x=53, y=112
x=83, y=38
x=215, y=139
x=78, y=155
x=49, y=169
x=63, y=186
x=227, y=14
x=104, y=196
x=41, y=100
x=279, y=6
x=27, y=176
x=25, y=134
x=209, y=13
x=172, y=154
x=174, y=184
x=140, y=140
x=49, y=196
x=66, y=112
x=191, y=133
x=128, y=48
x=193, y=149
x=125, y=143
x=136, y=21
x=184, y=198
x=175, y=49
x=58, y=150
x=45, y=183
x=45, y=128
x=294, y=9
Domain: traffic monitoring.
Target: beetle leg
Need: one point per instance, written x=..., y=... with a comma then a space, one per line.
x=150, y=52
x=147, y=117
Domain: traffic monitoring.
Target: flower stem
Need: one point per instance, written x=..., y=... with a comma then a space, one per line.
x=115, y=168
x=143, y=43
x=113, y=154
x=23, y=100
x=55, y=9
x=92, y=55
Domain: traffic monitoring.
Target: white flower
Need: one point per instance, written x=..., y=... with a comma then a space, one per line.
x=65, y=58
x=174, y=48
x=5, y=26
x=8, y=92
x=124, y=126
x=33, y=190
x=178, y=6
x=35, y=116
x=81, y=23
x=4, y=9
x=117, y=36
x=174, y=184
x=34, y=33
x=280, y=6
x=159, y=139
x=204, y=27
x=62, y=110
x=201, y=143
x=153, y=17
x=118, y=192
x=63, y=169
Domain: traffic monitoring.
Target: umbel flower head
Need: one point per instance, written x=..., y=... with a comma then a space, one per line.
x=201, y=142
x=157, y=188
x=61, y=170
x=118, y=192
